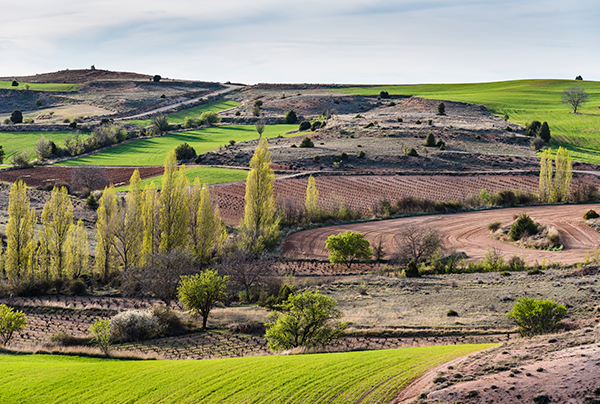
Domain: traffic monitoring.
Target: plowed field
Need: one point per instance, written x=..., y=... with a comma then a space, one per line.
x=466, y=232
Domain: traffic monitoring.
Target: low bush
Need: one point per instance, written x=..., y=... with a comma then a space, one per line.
x=304, y=125
x=524, y=225
x=316, y=125
x=508, y=128
x=411, y=270
x=251, y=327
x=413, y=153
x=138, y=325
x=362, y=154
x=77, y=287
x=590, y=214
x=291, y=117
x=494, y=226
x=185, y=152
x=307, y=142
x=430, y=141
x=452, y=313
x=534, y=317
x=63, y=339
x=210, y=118
x=384, y=94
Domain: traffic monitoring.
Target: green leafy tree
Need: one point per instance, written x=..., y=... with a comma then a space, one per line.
x=129, y=228
x=533, y=128
x=291, y=117
x=77, y=255
x=201, y=292
x=563, y=175
x=546, y=172
x=150, y=220
x=575, y=97
x=57, y=219
x=441, y=109
x=185, y=152
x=20, y=233
x=534, y=317
x=100, y=331
x=106, y=226
x=346, y=247
x=210, y=118
x=160, y=123
x=174, y=210
x=544, y=132
x=16, y=116
x=304, y=320
x=208, y=234
x=260, y=227
x=11, y=321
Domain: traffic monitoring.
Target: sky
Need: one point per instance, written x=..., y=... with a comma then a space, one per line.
x=309, y=41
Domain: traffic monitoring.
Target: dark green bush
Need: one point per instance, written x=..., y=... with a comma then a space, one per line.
x=16, y=116
x=307, y=142
x=15, y=83
x=494, y=226
x=291, y=117
x=533, y=128
x=412, y=271
x=590, y=214
x=418, y=121
x=452, y=313
x=413, y=153
x=524, y=225
x=185, y=152
x=77, y=287
x=508, y=129
x=156, y=78
x=343, y=156
x=362, y=154
x=430, y=141
x=384, y=94
x=91, y=202
x=399, y=119
x=317, y=159
x=304, y=125
x=430, y=122
x=441, y=109
x=534, y=317
x=316, y=125
x=544, y=132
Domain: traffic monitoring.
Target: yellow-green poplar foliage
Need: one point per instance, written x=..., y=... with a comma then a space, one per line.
x=77, y=251
x=150, y=210
x=260, y=226
x=312, y=199
x=174, y=210
x=210, y=231
x=563, y=176
x=105, y=236
x=129, y=231
x=42, y=257
x=57, y=219
x=19, y=231
x=545, y=187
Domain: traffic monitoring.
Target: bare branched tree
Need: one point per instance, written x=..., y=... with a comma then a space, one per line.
x=575, y=97
x=260, y=128
x=90, y=177
x=246, y=270
x=418, y=243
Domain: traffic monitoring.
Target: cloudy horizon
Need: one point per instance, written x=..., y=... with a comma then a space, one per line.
x=332, y=41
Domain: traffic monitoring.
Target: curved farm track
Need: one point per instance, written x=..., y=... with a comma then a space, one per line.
x=466, y=232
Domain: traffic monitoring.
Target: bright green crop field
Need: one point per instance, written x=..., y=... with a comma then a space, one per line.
x=195, y=112
x=13, y=142
x=366, y=377
x=152, y=151
x=62, y=87
x=206, y=175
x=523, y=101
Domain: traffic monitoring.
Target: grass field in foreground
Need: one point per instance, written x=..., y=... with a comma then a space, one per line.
x=366, y=377
x=152, y=152
x=523, y=101
x=62, y=87
x=195, y=112
x=13, y=142
x=206, y=175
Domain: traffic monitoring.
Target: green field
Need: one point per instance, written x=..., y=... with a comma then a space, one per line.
x=366, y=377
x=195, y=112
x=206, y=175
x=13, y=142
x=62, y=87
x=152, y=152
x=523, y=101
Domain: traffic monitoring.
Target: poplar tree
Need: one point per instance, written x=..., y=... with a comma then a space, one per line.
x=174, y=210
x=57, y=219
x=77, y=254
x=105, y=236
x=150, y=211
x=260, y=227
x=563, y=176
x=20, y=233
x=210, y=231
x=312, y=199
x=545, y=186
x=129, y=230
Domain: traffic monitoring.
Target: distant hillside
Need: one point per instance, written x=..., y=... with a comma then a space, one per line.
x=78, y=76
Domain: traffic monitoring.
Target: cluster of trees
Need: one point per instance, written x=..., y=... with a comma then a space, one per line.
x=554, y=186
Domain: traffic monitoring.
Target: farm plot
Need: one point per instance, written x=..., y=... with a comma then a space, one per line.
x=58, y=115
x=373, y=376
x=152, y=151
x=523, y=101
x=178, y=117
x=14, y=142
x=54, y=87
x=466, y=232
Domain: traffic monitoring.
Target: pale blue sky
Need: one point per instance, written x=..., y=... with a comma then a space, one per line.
x=327, y=41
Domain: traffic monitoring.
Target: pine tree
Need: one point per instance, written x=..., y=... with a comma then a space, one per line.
x=57, y=219
x=312, y=199
x=260, y=227
x=563, y=176
x=174, y=210
x=544, y=132
x=77, y=251
x=105, y=236
x=545, y=187
x=129, y=230
x=20, y=234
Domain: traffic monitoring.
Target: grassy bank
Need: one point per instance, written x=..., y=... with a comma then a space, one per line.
x=178, y=117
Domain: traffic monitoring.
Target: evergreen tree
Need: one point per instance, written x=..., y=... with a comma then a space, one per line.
x=311, y=204
x=430, y=141
x=563, y=176
x=174, y=210
x=260, y=227
x=544, y=132
x=441, y=109
x=545, y=186
x=77, y=254
x=57, y=219
x=20, y=233
x=106, y=226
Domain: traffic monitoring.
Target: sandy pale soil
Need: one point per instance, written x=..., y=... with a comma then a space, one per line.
x=466, y=232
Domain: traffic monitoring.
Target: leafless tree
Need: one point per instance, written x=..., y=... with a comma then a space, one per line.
x=90, y=177
x=246, y=270
x=260, y=128
x=418, y=243
x=575, y=97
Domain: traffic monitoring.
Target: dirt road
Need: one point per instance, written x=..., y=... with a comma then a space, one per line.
x=466, y=232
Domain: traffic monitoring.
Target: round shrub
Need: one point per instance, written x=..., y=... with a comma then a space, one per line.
x=156, y=78
x=536, y=317
x=304, y=125
x=452, y=313
x=413, y=153
x=493, y=226
x=185, y=152
x=77, y=287
x=590, y=214
x=343, y=156
x=317, y=159
x=135, y=325
x=362, y=154
x=210, y=117
x=291, y=117
x=16, y=116
x=418, y=121
x=307, y=142
x=384, y=94
x=524, y=225
x=412, y=271
x=317, y=125
x=430, y=141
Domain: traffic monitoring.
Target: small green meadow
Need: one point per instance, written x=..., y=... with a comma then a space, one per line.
x=152, y=151
x=366, y=377
x=13, y=142
x=523, y=101
x=206, y=175
x=178, y=117
x=60, y=87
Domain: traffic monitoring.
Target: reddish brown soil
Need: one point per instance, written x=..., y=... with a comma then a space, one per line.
x=466, y=232
x=49, y=175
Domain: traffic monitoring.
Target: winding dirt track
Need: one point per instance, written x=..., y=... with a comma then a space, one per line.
x=466, y=232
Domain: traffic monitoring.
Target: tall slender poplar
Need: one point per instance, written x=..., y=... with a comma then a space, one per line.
x=57, y=219
x=20, y=233
x=105, y=236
